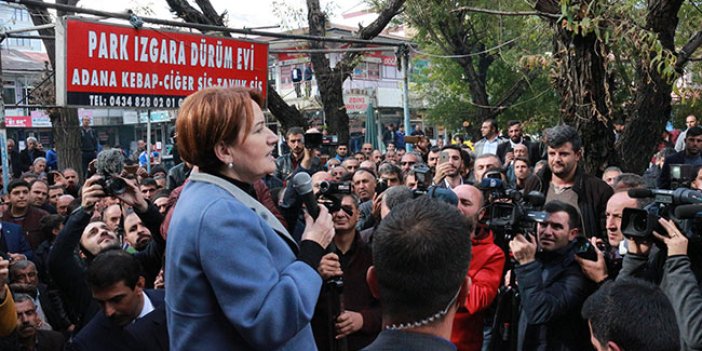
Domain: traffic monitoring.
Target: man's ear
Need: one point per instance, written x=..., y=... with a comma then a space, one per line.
x=372, y=281
x=573, y=233
x=141, y=283
x=611, y=345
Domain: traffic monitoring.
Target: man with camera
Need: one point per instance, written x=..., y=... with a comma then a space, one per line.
x=550, y=283
x=566, y=181
x=690, y=156
x=68, y=269
x=679, y=278
x=360, y=320
x=300, y=156
x=448, y=168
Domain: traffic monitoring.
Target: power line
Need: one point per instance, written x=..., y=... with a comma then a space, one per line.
x=202, y=27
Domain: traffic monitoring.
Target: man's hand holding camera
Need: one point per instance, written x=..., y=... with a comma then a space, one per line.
x=523, y=248
x=675, y=241
x=594, y=270
x=93, y=192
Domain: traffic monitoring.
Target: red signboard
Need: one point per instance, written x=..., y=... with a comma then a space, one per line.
x=18, y=121
x=106, y=65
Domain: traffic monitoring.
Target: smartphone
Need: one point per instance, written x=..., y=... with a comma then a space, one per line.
x=313, y=140
x=443, y=157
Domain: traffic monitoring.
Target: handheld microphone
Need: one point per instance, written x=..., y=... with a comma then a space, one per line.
x=302, y=183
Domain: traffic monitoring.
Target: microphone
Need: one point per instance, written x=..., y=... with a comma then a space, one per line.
x=109, y=162
x=677, y=196
x=302, y=183
x=688, y=211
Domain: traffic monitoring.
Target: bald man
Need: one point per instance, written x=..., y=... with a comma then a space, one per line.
x=485, y=272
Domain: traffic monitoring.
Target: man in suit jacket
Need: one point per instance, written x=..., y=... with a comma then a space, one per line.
x=516, y=137
x=132, y=318
x=491, y=138
x=418, y=313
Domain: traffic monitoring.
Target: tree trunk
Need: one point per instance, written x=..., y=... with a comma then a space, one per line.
x=581, y=81
x=288, y=116
x=330, y=81
x=65, y=128
x=64, y=121
x=652, y=105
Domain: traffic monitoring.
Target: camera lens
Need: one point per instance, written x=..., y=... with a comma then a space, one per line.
x=640, y=222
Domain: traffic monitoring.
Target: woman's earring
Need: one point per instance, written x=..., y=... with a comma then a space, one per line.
x=230, y=165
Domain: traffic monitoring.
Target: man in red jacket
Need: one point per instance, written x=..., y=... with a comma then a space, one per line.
x=485, y=272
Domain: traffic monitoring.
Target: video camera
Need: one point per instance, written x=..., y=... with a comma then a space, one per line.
x=511, y=212
x=330, y=194
x=678, y=205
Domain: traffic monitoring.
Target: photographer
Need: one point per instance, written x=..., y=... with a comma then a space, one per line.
x=68, y=270
x=298, y=157
x=551, y=285
x=678, y=280
x=360, y=319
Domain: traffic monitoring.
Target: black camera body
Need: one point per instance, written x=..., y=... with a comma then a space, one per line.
x=112, y=186
x=330, y=194
x=639, y=224
x=509, y=211
x=585, y=249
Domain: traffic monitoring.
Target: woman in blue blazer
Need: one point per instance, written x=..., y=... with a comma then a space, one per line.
x=235, y=279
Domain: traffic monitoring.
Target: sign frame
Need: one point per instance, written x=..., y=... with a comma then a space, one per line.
x=124, y=93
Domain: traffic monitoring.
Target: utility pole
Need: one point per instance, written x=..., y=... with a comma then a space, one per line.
x=403, y=52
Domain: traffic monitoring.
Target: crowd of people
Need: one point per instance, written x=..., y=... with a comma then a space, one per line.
x=399, y=248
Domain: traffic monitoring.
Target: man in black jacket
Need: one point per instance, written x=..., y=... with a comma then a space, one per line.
x=68, y=270
x=566, y=181
x=551, y=285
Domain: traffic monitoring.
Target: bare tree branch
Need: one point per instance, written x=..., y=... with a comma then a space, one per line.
x=210, y=12
x=505, y=13
x=346, y=64
x=686, y=52
x=185, y=11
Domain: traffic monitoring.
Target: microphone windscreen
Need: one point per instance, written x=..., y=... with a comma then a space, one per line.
x=109, y=162
x=638, y=193
x=302, y=183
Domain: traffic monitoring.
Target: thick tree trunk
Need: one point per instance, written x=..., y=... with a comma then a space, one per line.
x=65, y=126
x=66, y=129
x=330, y=81
x=288, y=116
x=581, y=81
x=652, y=105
